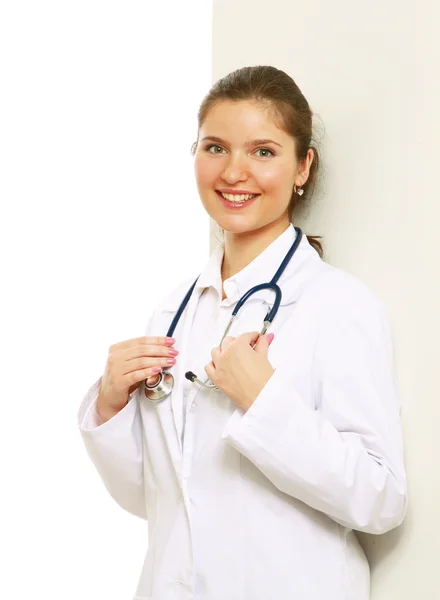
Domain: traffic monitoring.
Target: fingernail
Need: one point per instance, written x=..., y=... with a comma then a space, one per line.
x=173, y=352
x=270, y=337
x=169, y=341
x=157, y=369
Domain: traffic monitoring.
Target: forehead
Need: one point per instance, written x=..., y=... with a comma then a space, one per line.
x=242, y=118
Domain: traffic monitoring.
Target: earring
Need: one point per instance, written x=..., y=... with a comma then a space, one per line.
x=298, y=191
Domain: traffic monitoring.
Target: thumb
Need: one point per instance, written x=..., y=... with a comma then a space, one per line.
x=263, y=343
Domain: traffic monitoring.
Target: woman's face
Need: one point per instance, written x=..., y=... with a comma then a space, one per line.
x=243, y=156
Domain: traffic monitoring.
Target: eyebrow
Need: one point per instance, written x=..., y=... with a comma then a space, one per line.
x=251, y=143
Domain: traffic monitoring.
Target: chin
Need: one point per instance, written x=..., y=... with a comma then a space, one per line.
x=237, y=225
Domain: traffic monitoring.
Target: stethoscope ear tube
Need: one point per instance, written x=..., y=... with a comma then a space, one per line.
x=193, y=378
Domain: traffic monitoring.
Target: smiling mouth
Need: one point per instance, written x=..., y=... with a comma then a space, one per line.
x=237, y=198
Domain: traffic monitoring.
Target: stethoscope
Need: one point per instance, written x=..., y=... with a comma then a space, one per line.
x=163, y=387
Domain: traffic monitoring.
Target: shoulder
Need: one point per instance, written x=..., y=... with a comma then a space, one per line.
x=354, y=339
x=339, y=296
x=353, y=325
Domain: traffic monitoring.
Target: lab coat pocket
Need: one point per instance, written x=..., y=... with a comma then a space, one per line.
x=222, y=405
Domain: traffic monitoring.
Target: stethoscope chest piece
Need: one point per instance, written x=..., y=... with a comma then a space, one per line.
x=161, y=389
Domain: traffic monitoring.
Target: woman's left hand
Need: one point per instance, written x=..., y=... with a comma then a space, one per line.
x=239, y=370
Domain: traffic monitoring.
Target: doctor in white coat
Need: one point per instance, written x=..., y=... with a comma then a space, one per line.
x=254, y=491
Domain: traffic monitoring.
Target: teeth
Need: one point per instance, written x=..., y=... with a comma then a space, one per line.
x=238, y=197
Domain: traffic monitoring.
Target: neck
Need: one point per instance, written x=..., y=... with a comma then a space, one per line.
x=242, y=248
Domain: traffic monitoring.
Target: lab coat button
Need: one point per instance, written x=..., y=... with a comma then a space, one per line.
x=184, y=584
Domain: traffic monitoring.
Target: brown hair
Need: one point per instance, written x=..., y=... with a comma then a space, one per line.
x=278, y=91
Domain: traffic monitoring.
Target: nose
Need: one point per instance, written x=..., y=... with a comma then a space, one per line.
x=235, y=170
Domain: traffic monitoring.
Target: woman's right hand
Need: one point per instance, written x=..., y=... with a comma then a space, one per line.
x=128, y=364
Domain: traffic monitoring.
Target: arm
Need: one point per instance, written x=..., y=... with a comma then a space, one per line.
x=345, y=458
x=115, y=448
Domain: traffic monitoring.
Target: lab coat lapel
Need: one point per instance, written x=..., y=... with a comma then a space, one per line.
x=295, y=282
x=181, y=335
x=304, y=265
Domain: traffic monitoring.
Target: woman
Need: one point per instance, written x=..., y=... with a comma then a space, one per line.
x=253, y=490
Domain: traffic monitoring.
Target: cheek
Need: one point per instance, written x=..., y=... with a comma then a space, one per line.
x=206, y=171
x=276, y=180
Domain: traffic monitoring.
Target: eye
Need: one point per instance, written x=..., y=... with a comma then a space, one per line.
x=265, y=152
x=214, y=149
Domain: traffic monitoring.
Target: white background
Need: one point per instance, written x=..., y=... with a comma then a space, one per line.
x=100, y=217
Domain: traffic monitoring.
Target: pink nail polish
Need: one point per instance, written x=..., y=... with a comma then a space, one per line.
x=270, y=337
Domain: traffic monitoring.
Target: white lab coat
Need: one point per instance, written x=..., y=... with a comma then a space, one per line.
x=262, y=505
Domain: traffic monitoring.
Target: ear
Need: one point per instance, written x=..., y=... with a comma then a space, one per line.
x=304, y=170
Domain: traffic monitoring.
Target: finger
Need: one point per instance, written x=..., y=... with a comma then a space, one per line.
x=250, y=337
x=210, y=371
x=153, y=380
x=150, y=375
x=136, y=364
x=150, y=381
x=215, y=355
x=227, y=342
x=149, y=351
x=149, y=340
x=263, y=343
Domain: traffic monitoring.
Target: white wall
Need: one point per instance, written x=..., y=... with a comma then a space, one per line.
x=371, y=73
x=98, y=107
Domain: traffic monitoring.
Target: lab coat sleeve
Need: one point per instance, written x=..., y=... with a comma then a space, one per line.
x=116, y=446
x=115, y=449
x=344, y=455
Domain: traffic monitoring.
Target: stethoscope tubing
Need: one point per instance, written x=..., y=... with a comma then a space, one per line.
x=164, y=385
